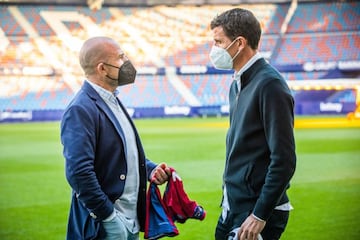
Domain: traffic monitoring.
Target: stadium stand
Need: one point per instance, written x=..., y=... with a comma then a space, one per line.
x=39, y=67
x=28, y=93
x=156, y=88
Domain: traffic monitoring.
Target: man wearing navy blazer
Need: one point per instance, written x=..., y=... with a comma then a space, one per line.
x=105, y=165
x=260, y=146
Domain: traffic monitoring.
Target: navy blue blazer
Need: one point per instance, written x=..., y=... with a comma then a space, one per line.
x=96, y=169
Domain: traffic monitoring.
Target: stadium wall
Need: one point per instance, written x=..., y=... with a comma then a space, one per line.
x=302, y=108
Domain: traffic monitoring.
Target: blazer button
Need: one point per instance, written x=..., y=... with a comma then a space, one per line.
x=93, y=215
x=122, y=177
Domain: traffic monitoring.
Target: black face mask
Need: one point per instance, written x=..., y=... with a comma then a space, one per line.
x=126, y=75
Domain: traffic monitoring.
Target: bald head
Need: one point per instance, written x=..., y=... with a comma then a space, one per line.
x=94, y=51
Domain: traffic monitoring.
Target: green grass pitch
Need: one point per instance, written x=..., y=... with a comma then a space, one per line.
x=325, y=191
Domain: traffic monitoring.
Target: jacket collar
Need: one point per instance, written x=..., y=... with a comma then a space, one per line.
x=91, y=92
x=251, y=71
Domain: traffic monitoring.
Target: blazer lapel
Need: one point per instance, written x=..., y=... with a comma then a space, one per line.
x=104, y=107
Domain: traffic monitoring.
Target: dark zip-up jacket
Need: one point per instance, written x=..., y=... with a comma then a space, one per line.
x=260, y=145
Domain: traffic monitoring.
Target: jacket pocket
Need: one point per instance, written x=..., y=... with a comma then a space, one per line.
x=256, y=177
x=81, y=225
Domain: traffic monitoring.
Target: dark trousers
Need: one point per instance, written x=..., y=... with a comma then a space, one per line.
x=274, y=227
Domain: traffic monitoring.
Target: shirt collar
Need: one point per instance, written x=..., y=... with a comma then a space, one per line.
x=247, y=65
x=104, y=94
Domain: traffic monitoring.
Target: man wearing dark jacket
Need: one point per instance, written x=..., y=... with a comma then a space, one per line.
x=105, y=165
x=260, y=146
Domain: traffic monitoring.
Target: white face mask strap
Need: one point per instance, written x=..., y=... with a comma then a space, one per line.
x=232, y=43
x=236, y=54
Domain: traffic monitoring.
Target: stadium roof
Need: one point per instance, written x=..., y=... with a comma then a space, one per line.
x=140, y=2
